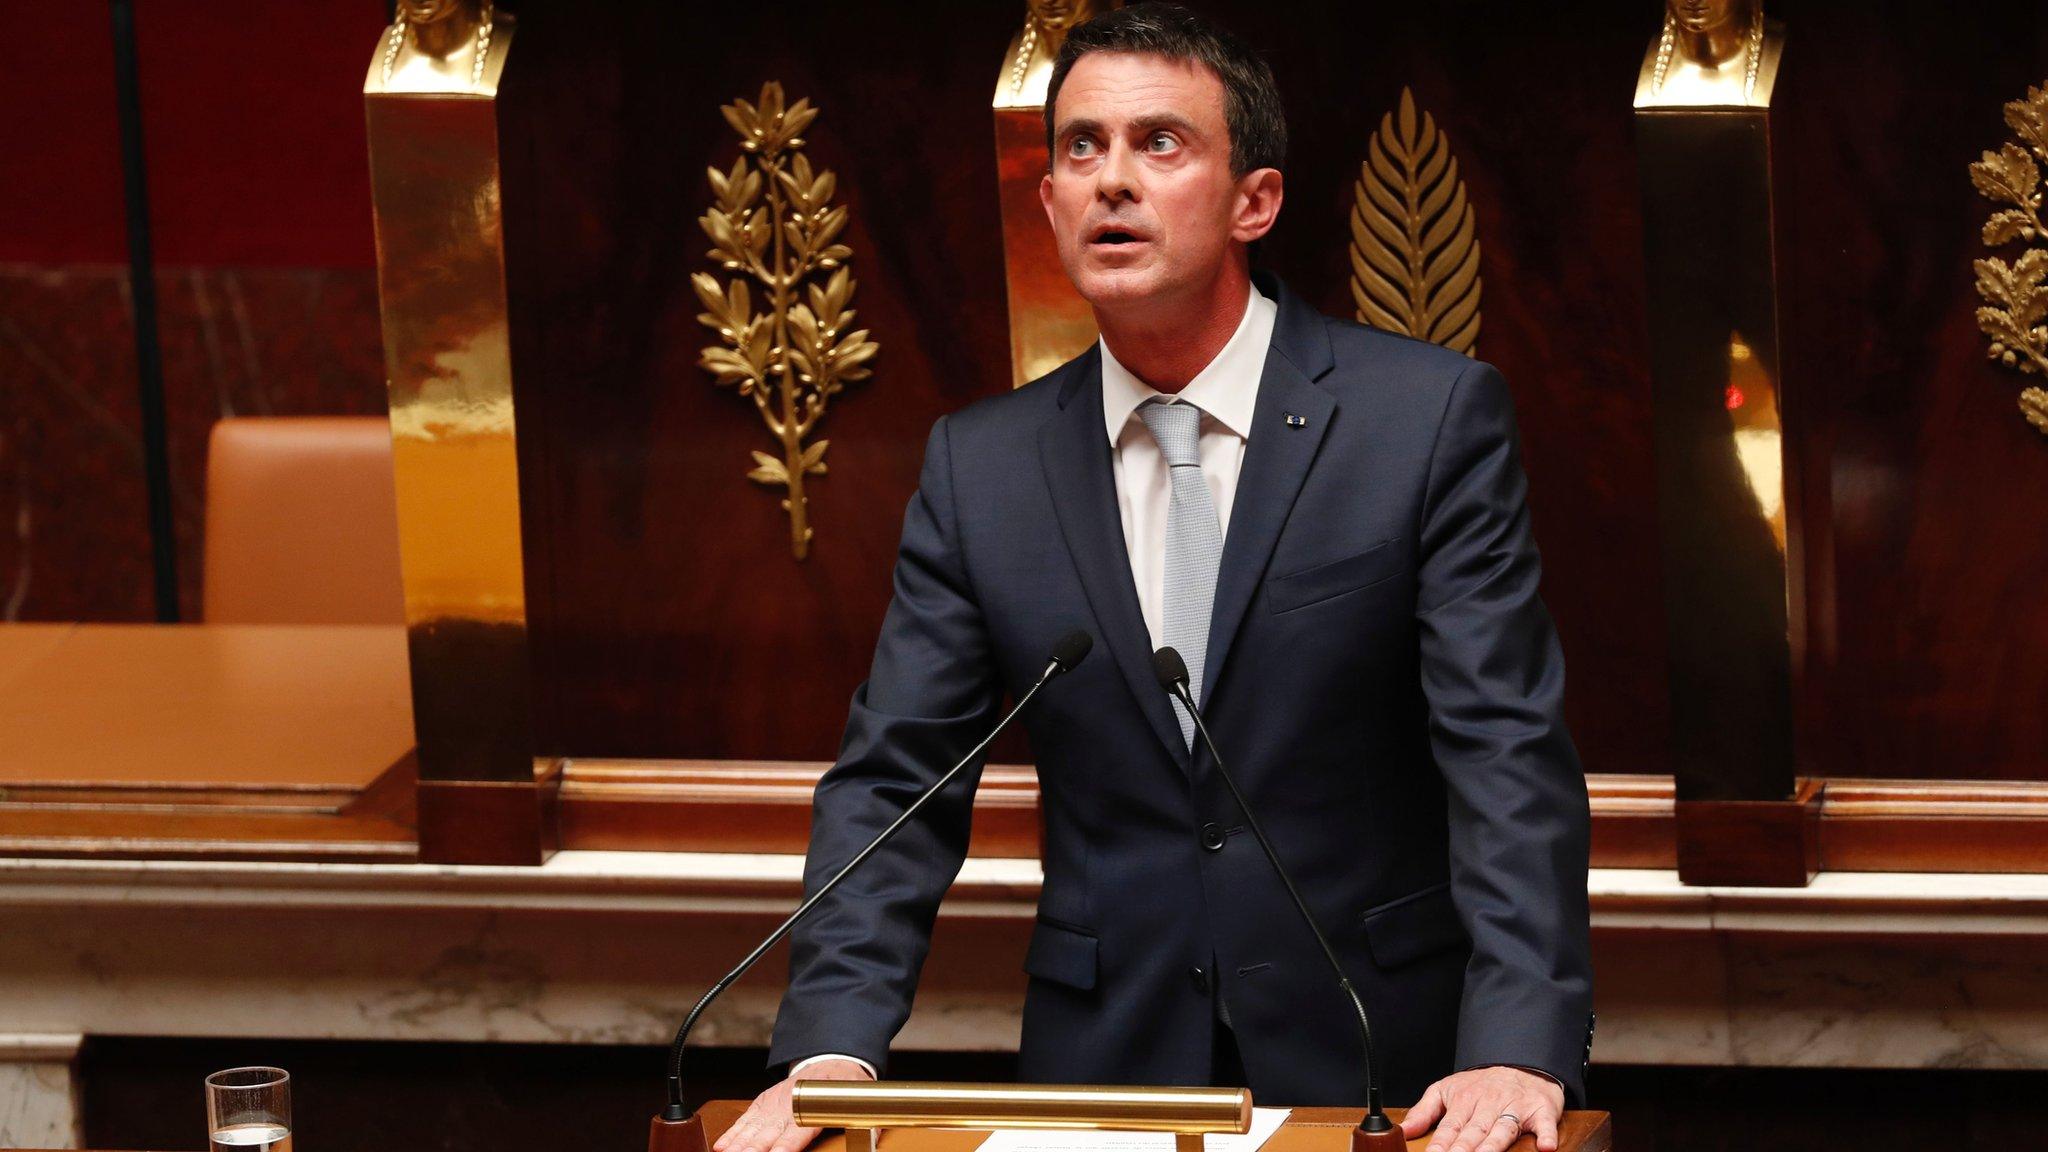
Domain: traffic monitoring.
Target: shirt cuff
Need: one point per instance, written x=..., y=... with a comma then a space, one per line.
x=810, y=1060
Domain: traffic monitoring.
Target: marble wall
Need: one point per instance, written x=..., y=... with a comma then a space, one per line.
x=39, y=1090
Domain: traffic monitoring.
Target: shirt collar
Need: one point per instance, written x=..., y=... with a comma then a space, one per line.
x=1227, y=388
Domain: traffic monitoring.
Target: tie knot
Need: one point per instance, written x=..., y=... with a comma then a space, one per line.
x=1177, y=428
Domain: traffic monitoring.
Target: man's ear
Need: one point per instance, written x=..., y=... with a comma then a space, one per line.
x=1045, y=197
x=1259, y=194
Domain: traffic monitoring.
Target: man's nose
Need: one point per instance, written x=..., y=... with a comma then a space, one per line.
x=1118, y=178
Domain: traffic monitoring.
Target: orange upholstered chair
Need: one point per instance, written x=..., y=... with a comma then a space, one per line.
x=302, y=522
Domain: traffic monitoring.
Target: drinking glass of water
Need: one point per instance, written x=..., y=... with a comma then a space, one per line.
x=250, y=1110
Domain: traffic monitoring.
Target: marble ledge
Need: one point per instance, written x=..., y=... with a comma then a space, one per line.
x=672, y=883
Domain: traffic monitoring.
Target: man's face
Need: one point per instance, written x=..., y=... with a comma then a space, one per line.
x=1140, y=195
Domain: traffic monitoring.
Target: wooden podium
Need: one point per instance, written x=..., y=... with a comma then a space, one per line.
x=1306, y=1130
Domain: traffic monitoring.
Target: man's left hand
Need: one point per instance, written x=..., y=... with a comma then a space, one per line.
x=1485, y=1109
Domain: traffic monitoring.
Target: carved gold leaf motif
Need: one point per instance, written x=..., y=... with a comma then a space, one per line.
x=772, y=224
x=1414, y=251
x=2016, y=294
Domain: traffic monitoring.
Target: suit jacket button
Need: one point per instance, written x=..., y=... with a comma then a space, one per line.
x=1200, y=978
x=1212, y=837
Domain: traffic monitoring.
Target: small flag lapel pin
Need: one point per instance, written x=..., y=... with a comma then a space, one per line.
x=1294, y=421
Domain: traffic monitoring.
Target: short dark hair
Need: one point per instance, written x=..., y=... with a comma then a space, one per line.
x=1251, y=99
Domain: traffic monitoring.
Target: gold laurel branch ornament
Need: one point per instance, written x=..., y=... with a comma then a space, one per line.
x=1414, y=252
x=2015, y=313
x=772, y=225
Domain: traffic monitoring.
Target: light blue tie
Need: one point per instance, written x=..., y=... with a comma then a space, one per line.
x=1194, y=542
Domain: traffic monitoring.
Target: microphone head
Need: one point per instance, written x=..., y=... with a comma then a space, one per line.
x=1171, y=670
x=1072, y=649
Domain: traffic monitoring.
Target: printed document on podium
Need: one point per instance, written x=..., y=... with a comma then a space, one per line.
x=1265, y=1122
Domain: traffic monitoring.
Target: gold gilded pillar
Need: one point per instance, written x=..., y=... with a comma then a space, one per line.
x=431, y=105
x=1727, y=495
x=1049, y=322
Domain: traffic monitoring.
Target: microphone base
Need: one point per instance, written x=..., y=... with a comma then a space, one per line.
x=677, y=1135
x=1389, y=1140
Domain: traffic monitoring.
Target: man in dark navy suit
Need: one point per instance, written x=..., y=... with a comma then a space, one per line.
x=1328, y=522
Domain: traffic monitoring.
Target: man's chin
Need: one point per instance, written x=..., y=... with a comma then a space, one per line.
x=1112, y=288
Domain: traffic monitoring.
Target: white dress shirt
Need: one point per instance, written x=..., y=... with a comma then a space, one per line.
x=1227, y=391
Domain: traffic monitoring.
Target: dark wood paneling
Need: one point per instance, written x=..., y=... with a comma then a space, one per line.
x=373, y=824
x=1934, y=666
x=667, y=613
x=741, y=806
x=489, y=821
x=1534, y=101
x=1751, y=843
x=1865, y=825
x=1635, y=821
x=1934, y=826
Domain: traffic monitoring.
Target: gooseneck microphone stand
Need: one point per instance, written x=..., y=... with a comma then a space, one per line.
x=675, y=1130
x=1375, y=1133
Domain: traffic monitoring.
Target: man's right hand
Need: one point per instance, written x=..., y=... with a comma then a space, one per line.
x=768, y=1126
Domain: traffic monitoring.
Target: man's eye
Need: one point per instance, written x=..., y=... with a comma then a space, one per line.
x=1080, y=146
x=1159, y=142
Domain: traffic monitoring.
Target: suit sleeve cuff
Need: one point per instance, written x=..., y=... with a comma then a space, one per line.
x=1517, y=1067
x=807, y=1061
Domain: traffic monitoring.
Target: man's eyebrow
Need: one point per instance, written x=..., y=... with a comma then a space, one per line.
x=1148, y=123
x=1076, y=127
x=1166, y=120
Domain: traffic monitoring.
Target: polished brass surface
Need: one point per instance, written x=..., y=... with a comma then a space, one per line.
x=443, y=47
x=441, y=288
x=1727, y=502
x=1049, y=322
x=1028, y=64
x=794, y=356
x=1711, y=53
x=1414, y=252
x=866, y=1104
x=2015, y=312
x=1756, y=426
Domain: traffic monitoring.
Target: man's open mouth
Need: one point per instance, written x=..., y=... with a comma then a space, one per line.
x=1115, y=236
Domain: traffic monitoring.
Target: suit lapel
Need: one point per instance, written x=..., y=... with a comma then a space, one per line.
x=1074, y=449
x=1277, y=457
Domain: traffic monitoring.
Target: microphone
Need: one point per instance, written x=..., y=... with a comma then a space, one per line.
x=1375, y=1131
x=675, y=1130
